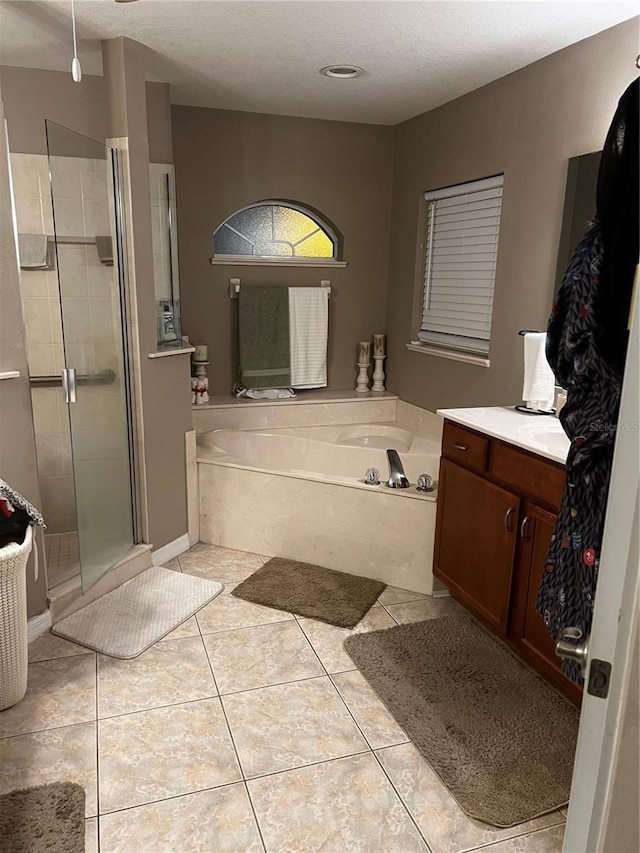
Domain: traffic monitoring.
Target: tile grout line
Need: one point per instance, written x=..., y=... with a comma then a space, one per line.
x=301, y=626
x=242, y=781
x=243, y=778
x=97, y=757
x=366, y=740
x=373, y=752
x=391, y=614
x=368, y=751
x=512, y=837
x=400, y=797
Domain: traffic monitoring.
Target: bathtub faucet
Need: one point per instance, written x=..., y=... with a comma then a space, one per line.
x=397, y=478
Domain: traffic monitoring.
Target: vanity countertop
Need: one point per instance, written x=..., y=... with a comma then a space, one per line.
x=541, y=434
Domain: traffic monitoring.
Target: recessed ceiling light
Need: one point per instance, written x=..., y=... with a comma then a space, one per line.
x=342, y=72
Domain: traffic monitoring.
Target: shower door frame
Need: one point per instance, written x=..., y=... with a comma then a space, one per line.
x=127, y=349
x=136, y=479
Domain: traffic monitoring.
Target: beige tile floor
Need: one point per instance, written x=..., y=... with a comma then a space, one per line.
x=246, y=729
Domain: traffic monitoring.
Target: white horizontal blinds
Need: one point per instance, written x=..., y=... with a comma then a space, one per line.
x=463, y=225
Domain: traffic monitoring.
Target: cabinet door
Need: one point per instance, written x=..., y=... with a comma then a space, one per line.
x=527, y=626
x=476, y=531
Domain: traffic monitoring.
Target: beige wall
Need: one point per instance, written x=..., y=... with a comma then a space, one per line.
x=526, y=125
x=227, y=160
x=17, y=445
x=31, y=96
x=159, y=121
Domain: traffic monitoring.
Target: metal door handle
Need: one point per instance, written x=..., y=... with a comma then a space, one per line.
x=523, y=528
x=460, y=446
x=507, y=519
x=72, y=384
x=568, y=647
x=68, y=384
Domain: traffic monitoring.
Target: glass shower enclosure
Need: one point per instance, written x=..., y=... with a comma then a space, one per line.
x=95, y=374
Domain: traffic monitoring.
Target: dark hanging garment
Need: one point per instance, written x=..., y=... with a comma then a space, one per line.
x=617, y=207
x=586, y=347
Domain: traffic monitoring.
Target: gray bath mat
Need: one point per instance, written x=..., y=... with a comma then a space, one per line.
x=45, y=818
x=324, y=594
x=501, y=740
x=126, y=622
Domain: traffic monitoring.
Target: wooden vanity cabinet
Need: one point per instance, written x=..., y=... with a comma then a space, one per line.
x=496, y=513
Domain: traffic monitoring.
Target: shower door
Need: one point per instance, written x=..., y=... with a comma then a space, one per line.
x=94, y=368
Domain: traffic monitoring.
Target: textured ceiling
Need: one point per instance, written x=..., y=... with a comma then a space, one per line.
x=264, y=56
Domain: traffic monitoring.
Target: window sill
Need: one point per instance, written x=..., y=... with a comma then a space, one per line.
x=452, y=355
x=275, y=262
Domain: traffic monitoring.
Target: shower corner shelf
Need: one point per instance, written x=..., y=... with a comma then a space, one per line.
x=175, y=351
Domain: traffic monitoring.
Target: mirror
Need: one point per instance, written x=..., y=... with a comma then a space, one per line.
x=165, y=255
x=579, y=207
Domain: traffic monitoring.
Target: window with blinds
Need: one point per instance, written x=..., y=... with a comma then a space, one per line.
x=463, y=225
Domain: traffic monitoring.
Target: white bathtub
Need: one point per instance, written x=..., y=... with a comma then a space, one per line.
x=300, y=493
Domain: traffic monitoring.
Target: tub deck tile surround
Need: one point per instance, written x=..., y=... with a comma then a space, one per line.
x=309, y=408
x=312, y=762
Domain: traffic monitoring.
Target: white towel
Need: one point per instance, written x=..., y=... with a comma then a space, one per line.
x=33, y=250
x=308, y=333
x=539, y=381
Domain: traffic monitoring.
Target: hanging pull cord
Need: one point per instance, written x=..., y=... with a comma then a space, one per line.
x=76, y=71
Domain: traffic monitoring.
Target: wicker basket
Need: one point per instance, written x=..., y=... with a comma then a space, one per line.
x=13, y=621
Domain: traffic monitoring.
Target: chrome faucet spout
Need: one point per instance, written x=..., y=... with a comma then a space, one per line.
x=397, y=478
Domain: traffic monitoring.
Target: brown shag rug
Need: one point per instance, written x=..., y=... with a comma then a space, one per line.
x=324, y=594
x=44, y=819
x=501, y=740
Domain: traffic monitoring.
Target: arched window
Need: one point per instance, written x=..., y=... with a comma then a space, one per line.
x=276, y=232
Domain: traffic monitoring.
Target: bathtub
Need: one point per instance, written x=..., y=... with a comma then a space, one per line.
x=300, y=493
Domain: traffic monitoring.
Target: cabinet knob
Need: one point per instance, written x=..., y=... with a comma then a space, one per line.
x=507, y=519
x=523, y=529
x=460, y=446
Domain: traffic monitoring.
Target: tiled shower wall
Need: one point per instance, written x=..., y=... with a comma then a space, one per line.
x=82, y=209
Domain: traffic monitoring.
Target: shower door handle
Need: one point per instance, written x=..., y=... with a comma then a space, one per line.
x=69, y=384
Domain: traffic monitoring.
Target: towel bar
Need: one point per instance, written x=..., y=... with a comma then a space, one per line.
x=234, y=287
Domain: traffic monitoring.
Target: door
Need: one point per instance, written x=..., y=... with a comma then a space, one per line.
x=95, y=374
x=602, y=744
x=475, y=544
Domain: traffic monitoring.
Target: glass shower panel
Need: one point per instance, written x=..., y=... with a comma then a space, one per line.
x=85, y=210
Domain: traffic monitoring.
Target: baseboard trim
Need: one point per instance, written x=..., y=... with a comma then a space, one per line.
x=170, y=550
x=38, y=625
x=440, y=593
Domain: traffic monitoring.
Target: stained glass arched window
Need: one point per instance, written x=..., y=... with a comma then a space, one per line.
x=275, y=230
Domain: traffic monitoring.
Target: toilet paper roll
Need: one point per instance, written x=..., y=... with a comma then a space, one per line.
x=539, y=381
